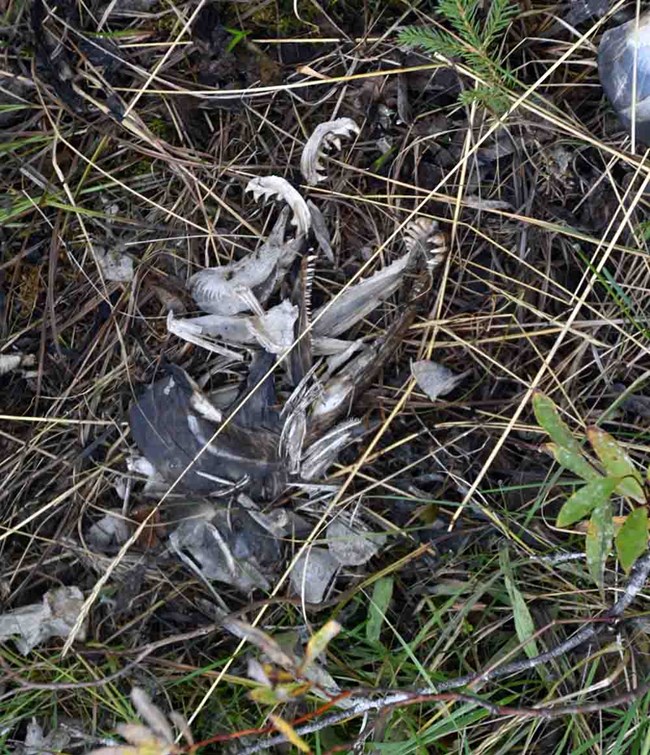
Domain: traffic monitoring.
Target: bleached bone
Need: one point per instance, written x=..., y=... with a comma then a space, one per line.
x=276, y=186
x=323, y=453
x=192, y=333
x=435, y=379
x=272, y=330
x=421, y=237
x=325, y=138
x=10, y=362
x=219, y=290
x=359, y=300
x=424, y=235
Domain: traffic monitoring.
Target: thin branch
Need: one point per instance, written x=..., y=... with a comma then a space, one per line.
x=409, y=698
x=442, y=693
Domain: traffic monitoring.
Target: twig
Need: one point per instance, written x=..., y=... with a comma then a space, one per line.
x=442, y=693
x=400, y=699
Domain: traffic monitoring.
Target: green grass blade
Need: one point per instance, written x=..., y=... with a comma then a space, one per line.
x=382, y=594
x=524, y=625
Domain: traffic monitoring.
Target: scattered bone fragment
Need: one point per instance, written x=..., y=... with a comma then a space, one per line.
x=268, y=187
x=435, y=379
x=325, y=138
x=111, y=531
x=115, y=265
x=15, y=361
x=39, y=743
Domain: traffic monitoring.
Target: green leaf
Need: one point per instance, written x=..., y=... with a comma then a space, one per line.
x=549, y=419
x=599, y=541
x=617, y=463
x=574, y=462
x=632, y=538
x=382, y=593
x=274, y=695
x=586, y=499
x=524, y=625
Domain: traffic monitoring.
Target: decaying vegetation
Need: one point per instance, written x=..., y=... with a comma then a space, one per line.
x=325, y=361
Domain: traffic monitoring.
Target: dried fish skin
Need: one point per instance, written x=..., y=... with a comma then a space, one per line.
x=326, y=137
x=320, y=230
x=247, y=538
x=350, y=545
x=54, y=616
x=208, y=551
x=173, y=430
x=276, y=186
x=324, y=452
x=312, y=573
x=254, y=405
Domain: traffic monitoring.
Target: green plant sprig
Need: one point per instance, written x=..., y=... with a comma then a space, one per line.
x=612, y=472
x=475, y=41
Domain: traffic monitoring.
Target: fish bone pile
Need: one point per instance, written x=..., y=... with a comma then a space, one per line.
x=220, y=465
